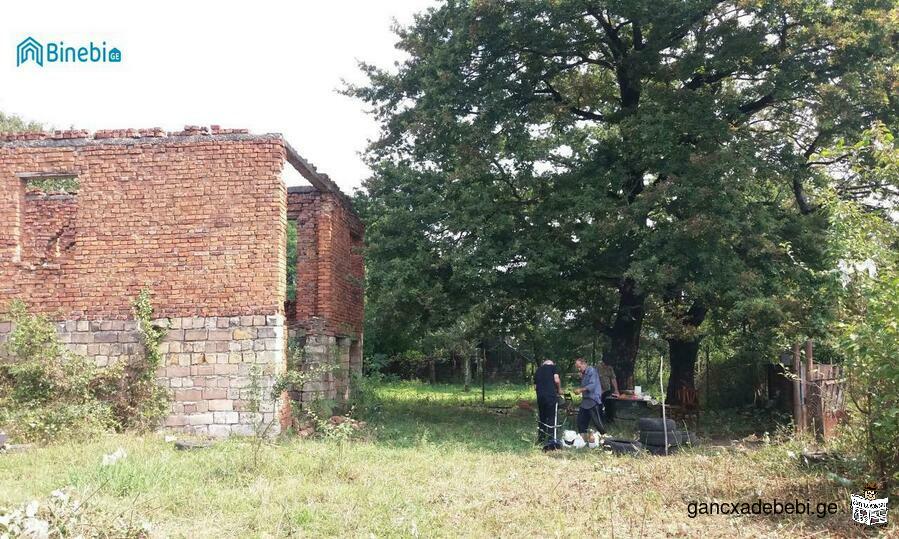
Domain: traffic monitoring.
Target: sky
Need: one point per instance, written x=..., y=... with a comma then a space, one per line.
x=271, y=67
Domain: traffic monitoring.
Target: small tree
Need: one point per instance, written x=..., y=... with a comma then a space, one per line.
x=869, y=342
x=10, y=123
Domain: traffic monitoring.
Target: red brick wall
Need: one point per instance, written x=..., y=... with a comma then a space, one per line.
x=48, y=227
x=303, y=209
x=330, y=268
x=201, y=220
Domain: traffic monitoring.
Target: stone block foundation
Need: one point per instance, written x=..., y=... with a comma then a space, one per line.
x=209, y=366
x=342, y=355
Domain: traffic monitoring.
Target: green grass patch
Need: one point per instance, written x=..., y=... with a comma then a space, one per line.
x=433, y=463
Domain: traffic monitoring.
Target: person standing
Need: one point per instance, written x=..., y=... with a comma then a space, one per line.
x=608, y=381
x=548, y=387
x=591, y=399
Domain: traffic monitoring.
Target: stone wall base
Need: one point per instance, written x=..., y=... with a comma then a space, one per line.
x=217, y=369
x=338, y=357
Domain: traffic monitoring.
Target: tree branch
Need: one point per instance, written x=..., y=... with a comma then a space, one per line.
x=754, y=106
x=801, y=198
x=560, y=99
x=699, y=80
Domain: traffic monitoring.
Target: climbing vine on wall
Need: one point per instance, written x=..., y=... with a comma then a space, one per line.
x=145, y=403
x=151, y=335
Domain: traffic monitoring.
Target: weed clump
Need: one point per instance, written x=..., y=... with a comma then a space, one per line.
x=48, y=393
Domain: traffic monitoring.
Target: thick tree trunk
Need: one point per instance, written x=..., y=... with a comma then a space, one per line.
x=624, y=335
x=682, y=357
x=682, y=354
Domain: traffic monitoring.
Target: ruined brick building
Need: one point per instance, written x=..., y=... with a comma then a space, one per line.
x=201, y=218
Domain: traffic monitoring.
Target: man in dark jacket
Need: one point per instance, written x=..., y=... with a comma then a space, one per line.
x=548, y=387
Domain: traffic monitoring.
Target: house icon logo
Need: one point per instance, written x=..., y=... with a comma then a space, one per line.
x=30, y=49
x=52, y=52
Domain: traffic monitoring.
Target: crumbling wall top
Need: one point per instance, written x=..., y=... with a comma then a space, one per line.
x=79, y=137
x=157, y=135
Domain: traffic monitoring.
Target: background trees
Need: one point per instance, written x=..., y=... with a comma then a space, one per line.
x=10, y=123
x=622, y=162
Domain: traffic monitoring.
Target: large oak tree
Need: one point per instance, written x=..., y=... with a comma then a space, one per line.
x=606, y=157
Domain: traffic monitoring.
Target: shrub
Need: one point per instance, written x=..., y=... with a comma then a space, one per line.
x=139, y=402
x=375, y=364
x=47, y=392
x=30, y=423
x=338, y=428
x=300, y=372
x=873, y=376
x=364, y=395
x=867, y=288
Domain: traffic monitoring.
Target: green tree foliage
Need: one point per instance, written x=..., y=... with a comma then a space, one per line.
x=607, y=159
x=864, y=299
x=870, y=340
x=10, y=123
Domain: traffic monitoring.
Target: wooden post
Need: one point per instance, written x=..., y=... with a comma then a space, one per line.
x=809, y=380
x=662, y=391
x=797, y=391
x=483, y=364
x=706, y=374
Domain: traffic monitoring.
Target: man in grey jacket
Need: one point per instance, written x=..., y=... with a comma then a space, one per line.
x=591, y=398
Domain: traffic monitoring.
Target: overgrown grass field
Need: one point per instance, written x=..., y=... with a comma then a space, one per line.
x=433, y=462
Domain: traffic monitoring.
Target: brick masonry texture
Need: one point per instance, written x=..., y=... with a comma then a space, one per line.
x=199, y=221
x=329, y=310
x=330, y=267
x=199, y=217
x=48, y=229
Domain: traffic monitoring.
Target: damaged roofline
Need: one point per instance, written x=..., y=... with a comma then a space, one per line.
x=318, y=180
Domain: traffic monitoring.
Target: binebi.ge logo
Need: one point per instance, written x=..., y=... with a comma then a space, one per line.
x=30, y=50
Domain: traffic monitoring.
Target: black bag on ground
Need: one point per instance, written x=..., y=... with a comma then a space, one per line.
x=552, y=445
